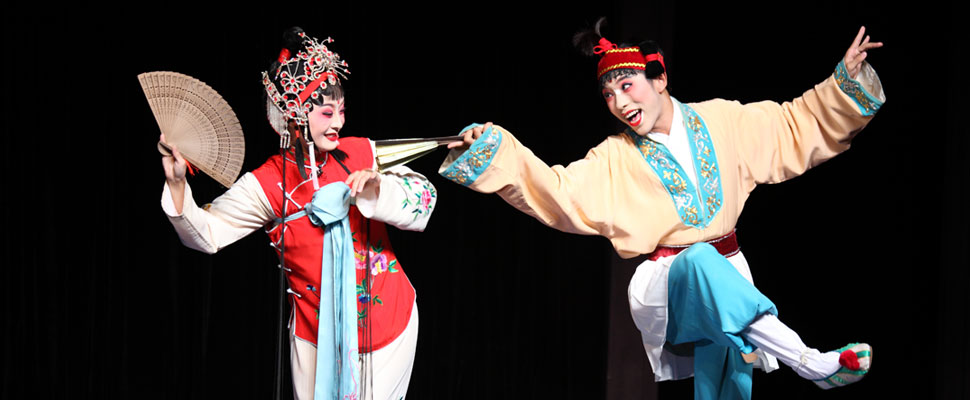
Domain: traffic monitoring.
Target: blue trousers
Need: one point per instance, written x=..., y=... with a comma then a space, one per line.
x=709, y=303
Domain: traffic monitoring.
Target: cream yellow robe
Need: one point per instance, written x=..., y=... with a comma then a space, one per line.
x=613, y=191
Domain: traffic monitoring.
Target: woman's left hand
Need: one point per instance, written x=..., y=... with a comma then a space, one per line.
x=857, y=52
x=360, y=180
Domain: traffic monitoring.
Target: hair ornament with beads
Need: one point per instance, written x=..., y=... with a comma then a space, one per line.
x=296, y=82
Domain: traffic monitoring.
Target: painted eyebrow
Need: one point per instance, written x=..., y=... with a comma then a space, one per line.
x=619, y=81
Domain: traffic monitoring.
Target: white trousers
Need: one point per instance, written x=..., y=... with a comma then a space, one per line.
x=391, y=365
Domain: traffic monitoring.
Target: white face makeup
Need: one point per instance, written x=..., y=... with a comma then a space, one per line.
x=637, y=101
x=325, y=122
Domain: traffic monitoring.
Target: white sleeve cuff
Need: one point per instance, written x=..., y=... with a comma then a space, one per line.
x=370, y=203
x=870, y=82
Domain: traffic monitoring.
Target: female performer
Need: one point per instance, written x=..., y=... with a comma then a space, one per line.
x=351, y=299
x=672, y=185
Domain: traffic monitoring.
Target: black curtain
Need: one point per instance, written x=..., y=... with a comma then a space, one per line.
x=101, y=300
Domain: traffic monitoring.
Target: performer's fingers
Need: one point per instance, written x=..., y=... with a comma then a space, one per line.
x=361, y=180
x=353, y=186
x=177, y=154
x=373, y=178
x=858, y=60
x=858, y=36
x=350, y=179
x=488, y=125
x=351, y=182
x=467, y=134
x=867, y=46
x=469, y=137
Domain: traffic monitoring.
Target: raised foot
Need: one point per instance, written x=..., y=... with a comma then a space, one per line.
x=855, y=359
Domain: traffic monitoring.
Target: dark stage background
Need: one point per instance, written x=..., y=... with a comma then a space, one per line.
x=100, y=300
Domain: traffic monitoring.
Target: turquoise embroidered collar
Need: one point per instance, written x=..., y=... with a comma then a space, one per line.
x=696, y=206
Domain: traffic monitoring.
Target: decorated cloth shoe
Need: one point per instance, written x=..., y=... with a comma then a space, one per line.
x=855, y=359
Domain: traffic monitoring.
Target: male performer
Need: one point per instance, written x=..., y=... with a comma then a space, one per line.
x=676, y=179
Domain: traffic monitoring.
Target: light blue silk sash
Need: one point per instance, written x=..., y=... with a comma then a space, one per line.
x=338, y=366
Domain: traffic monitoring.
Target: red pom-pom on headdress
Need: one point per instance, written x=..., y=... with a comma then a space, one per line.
x=284, y=55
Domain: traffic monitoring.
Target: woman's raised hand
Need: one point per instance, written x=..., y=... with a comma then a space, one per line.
x=174, y=166
x=360, y=180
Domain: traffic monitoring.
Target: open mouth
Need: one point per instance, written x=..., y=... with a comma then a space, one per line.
x=633, y=117
x=331, y=136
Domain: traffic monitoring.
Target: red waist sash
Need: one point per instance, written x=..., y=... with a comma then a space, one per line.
x=727, y=245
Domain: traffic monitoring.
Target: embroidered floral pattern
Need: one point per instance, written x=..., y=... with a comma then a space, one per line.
x=421, y=196
x=696, y=206
x=363, y=297
x=867, y=104
x=470, y=165
x=378, y=260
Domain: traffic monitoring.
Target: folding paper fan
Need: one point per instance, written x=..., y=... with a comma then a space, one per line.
x=198, y=121
x=393, y=152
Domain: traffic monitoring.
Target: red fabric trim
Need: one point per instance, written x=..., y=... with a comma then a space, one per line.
x=656, y=57
x=312, y=86
x=727, y=245
x=603, y=46
x=624, y=57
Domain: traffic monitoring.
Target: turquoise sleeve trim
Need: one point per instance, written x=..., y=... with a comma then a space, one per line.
x=867, y=103
x=470, y=126
x=474, y=161
x=696, y=205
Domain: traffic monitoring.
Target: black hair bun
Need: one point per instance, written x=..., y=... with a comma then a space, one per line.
x=292, y=40
x=653, y=68
x=586, y=40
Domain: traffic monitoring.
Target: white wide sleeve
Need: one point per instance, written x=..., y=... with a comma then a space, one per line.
x=406, y=199
x=239, y=211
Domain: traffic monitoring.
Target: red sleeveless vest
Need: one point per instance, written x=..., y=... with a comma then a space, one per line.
x=392, y=295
